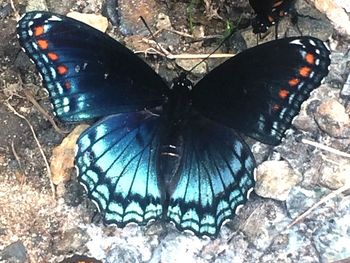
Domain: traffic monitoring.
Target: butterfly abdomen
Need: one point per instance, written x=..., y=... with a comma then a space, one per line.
x=177, y=110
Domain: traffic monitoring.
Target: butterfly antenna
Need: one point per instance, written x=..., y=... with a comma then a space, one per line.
x=216, y=49
x=155, y=40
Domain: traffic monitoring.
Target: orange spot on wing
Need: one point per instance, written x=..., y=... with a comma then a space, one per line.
x=283, y=93
x=275, y=107
x=293, y=82
x=310, y=58
x=43, y=44
x=52, y=56
x=62, y=70
x=304, y=71
x=67, y=85
x=38, y=30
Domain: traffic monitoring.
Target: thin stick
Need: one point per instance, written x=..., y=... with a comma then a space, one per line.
x=47, y=116
x=323, y=200
x=326, y=148
x=153, y=42
x=200, y=56
x=184, y=55
x=39, y=145
x=190, y=36
x=17, y=159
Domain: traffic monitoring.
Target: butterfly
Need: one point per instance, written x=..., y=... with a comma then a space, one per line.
x=268, y=13
x=80, y=259
x=164, y=152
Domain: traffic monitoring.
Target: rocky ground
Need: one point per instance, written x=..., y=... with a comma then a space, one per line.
x=44, y=215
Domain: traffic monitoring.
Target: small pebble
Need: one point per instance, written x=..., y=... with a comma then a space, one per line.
x=275, y=179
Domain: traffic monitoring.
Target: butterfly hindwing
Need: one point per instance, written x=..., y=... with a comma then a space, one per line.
x=215, y=176
x=116, y=162
x=87, y=73
x=260, y=90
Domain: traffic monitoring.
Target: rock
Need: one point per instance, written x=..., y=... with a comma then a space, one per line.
x=130, y=12
x=71, y=240
x=63, y=7
x=122, y=254
x=333, y=119
x=335, y=13
x=36, y=5
x=329, y=225
x=62, y=159
x=275, y=179
x=345, y=92
x=264, y=224
x=163, y=21
x=188, y=64
x=97, y=21
x=198, y=31
x=15, y=252
x=300, y=199
x=175, y=246
x=344, y=4
x=334, y=177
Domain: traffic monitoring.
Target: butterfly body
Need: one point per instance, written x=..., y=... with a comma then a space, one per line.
x=268, y=13
x=176, y=112
x=164, y=152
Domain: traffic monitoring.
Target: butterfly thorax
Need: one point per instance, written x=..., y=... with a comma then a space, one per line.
x=176, y=112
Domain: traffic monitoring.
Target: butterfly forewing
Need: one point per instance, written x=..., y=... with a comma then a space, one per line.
x=87, y=73
x=215, y=176
x=259, y=91
x=116, y=162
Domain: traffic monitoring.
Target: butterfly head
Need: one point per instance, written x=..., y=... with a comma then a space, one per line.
x=259, y=25
x=182, y=83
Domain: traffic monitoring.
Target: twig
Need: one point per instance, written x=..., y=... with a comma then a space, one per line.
x=18, y=161
x=39, y=145
x=153, y=51
x=183, y=34
x=326, y=148
x=323, y=200
x=15, y=10
x=167, y=54
x=30, y=97
x=154, y=43
x=199, y=56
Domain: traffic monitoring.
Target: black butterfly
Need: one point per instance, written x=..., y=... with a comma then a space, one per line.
x=268, y=13
x=80, y=259
x=169, y=152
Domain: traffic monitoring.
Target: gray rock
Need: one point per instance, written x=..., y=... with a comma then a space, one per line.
x=264, y=224
x=332, y=119
x=15, y=252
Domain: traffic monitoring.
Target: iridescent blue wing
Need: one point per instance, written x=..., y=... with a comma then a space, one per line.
x=259, y=91
x=116, y=162
x=87, y=73
x=216, y=173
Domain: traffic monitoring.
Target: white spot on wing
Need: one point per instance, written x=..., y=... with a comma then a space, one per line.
x=54, y=18
x=296, y=42
x=37, y=16
x=312, y=42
